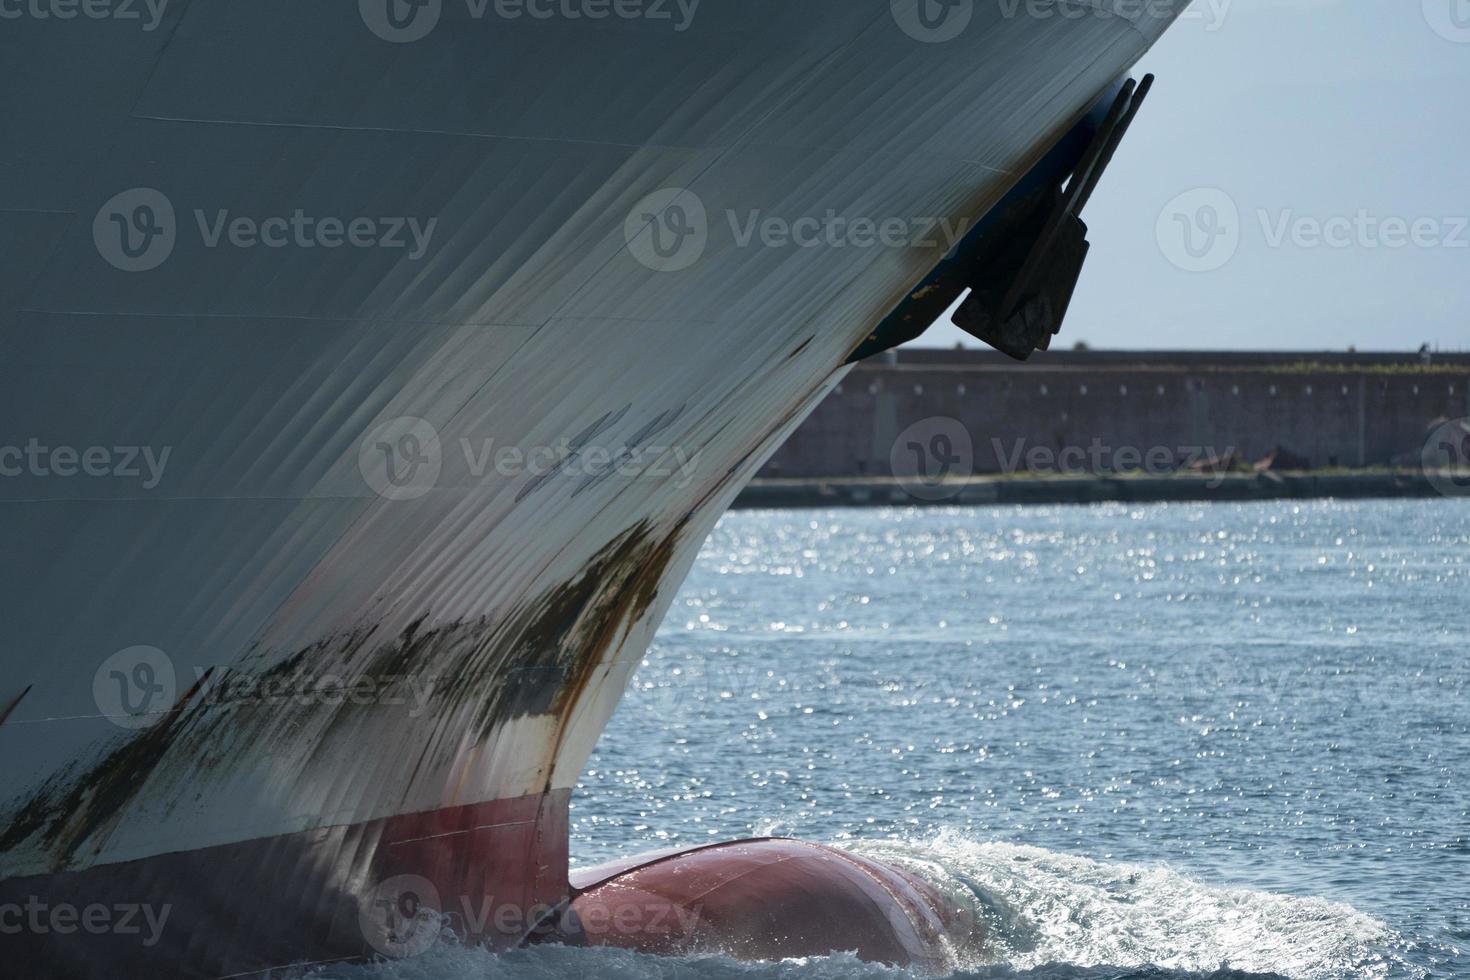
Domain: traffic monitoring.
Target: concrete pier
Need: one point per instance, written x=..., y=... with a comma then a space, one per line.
x=1071, y=426
x=988, y=491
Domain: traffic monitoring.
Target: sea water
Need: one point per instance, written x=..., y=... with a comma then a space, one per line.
x=1150, y=741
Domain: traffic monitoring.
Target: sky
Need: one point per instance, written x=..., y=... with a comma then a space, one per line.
x=1317, y=155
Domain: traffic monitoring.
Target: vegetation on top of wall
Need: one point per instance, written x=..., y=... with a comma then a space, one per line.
x=1319, y=367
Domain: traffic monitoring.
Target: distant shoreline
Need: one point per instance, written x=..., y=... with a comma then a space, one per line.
x=1087, y=489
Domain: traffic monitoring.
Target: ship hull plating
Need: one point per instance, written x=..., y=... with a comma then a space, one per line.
x=370, y=384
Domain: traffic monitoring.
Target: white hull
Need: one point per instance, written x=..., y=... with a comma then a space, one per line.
x=270, y=374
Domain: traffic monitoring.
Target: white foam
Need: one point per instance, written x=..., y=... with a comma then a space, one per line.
x=1041, y=907
x=565, y=963
x=1054, y=913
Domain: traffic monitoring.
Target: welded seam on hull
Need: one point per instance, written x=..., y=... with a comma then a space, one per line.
x=251, y=318
x=1101, y=7
x=672, y=856
x=406, y=131
x=843, y=46
x=460, y=833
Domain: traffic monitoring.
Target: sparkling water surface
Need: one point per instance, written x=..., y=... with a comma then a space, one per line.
x=1154, y=741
